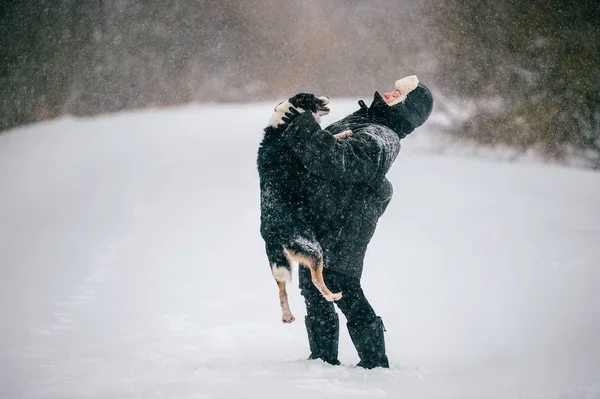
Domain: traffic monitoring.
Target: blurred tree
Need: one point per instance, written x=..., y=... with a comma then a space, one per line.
x=85, y=57
x=531, y=70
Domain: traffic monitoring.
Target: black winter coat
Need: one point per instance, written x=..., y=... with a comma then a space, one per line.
x=346, y=191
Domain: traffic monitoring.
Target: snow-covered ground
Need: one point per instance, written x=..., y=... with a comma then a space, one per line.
x=131, y=266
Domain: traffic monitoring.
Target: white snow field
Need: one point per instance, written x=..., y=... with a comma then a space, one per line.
x=131, y=266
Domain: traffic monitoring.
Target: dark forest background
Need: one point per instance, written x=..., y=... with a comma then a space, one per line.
x=528, y=72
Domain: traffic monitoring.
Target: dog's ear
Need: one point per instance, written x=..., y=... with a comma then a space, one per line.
x=280, y=110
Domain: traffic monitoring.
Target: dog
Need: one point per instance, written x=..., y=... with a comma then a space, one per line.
x=288, y=237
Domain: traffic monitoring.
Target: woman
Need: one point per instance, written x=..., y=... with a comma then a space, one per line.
x=344, y=195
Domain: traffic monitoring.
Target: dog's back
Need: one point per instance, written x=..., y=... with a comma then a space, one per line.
x=281, y=173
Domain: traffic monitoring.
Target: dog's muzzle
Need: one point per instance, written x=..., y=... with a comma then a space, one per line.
x=322, y=105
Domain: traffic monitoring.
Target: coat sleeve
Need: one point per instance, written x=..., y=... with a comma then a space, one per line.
x=365, y=155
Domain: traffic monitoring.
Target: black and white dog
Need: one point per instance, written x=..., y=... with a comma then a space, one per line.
x=288, y=237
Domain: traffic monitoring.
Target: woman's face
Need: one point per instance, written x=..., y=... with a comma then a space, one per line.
x=391, y=97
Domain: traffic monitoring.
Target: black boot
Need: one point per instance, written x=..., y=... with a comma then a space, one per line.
x=370, y=344
x=323, y=338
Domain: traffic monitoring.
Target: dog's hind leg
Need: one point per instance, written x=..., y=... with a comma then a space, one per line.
x=286, y=314
x=316, y=272
x=317, y=279
x=282, y=272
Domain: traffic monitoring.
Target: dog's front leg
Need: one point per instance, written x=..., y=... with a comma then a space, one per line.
x=286, y=314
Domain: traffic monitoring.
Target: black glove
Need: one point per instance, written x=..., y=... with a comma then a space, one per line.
x=290, y=115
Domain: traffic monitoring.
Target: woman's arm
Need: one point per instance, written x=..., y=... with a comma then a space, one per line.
x=367, y=154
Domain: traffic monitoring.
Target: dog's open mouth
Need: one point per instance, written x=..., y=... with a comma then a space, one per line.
x=322, y=104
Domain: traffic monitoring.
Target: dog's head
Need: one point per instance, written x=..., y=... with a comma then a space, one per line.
x=303, y=102
x=310, y=102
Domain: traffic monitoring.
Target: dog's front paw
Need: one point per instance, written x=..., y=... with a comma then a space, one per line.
x=343, y=135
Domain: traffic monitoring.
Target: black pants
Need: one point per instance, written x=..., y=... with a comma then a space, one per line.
x=353, y=303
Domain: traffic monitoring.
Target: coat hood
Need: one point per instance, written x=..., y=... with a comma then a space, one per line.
x=381, y=113
x=405, y=116
x=417, y=106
